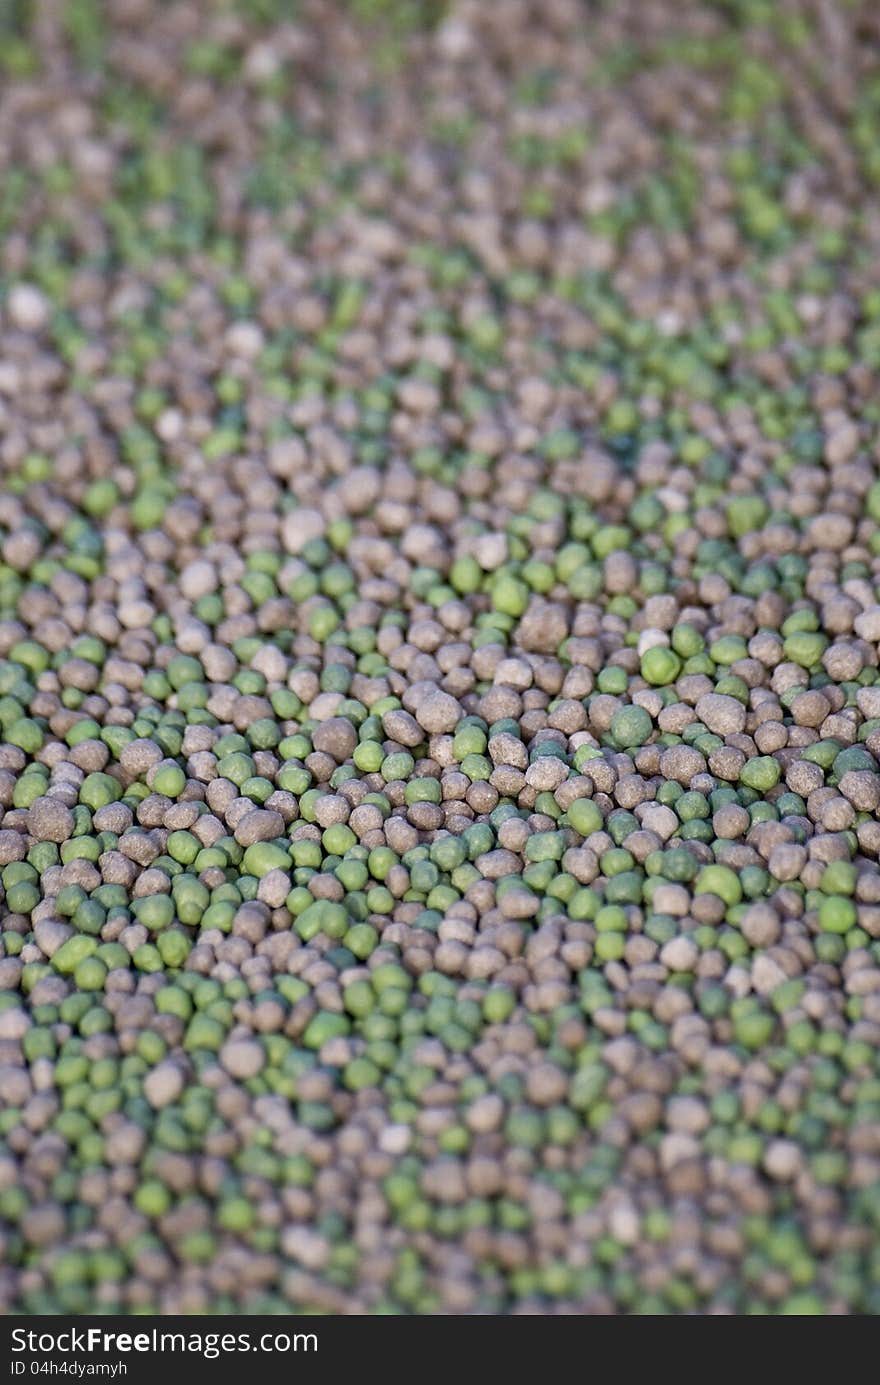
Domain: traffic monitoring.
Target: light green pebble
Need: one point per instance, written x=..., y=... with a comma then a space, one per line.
x=660, y=666
x=325, y=1026
x=90, y=974
x=99, y=789
x=262, y=857
x=323, y=916
x=510, y=596
x=721, y=881
x=761, y=773
x=805, y=648
x=72, y=952
x=169, y=780
x=837, y=914
x=585, y=816
x=155, y=912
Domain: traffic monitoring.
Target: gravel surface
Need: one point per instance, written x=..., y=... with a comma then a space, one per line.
x=440, y=656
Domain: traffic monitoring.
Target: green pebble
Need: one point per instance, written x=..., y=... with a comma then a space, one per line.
x=660, y=666
x=323, y=916
x=761, y=773
x=632, y=726
x=721, y=881
x=837, y=914
x=90, y=974
x=262, y=857
x=72, y=952
x=805, y=648
x=155, y=912
x=97, y=790
x=169, y=780
x=326, y=1025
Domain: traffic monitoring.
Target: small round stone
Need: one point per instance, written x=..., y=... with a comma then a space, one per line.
x=50, y=820
x=27, y=307
x=437, y=712
x=242, y=1058
x=259, y=825
x=163, y=1085
x=724, y=716
x=336, y=737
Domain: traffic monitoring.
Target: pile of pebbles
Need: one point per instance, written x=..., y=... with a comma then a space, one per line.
x=440, y=657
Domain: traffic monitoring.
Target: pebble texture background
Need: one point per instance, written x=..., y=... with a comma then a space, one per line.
x=439, y=627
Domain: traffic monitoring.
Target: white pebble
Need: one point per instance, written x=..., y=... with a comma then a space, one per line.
x=299, y=527
x=163, y=1085
x=28, y=308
